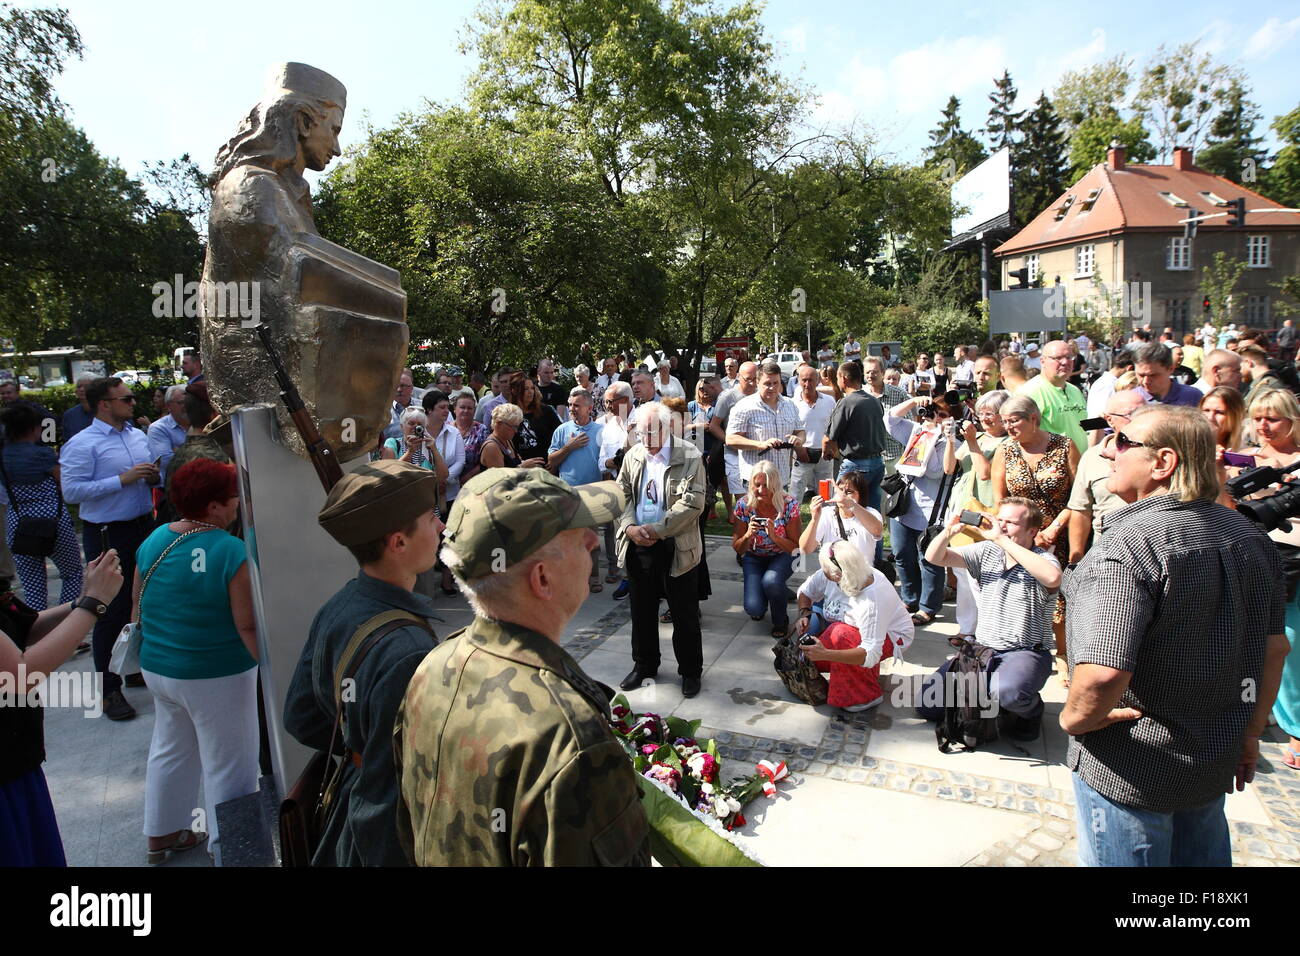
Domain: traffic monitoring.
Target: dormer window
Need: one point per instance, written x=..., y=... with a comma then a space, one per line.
x=1173, y=200
x=1064, y=208
x=1214, y=198
x=1090, y=201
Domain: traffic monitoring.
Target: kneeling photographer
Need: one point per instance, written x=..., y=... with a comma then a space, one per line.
x=1017, y=595
x=1269, y=495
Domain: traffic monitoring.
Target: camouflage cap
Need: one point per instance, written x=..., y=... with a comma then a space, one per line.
x=503, y=515
x=377, y=499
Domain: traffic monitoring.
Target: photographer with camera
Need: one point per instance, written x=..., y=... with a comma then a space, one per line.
x=1176, y=648
x=1276, y=417
x=416, y=446
x=1018, y=581
x=850, y=620
x=920, y=583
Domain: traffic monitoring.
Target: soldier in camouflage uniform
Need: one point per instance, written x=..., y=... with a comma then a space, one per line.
x=503, y=747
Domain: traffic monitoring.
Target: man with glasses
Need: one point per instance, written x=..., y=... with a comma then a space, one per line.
x=659, y=544
x=1062, y=404
x=107, y=469
x=1090, y=500
x=1176, y=647
x=401, y=402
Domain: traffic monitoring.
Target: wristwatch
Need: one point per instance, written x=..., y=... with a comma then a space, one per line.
x=94, y=606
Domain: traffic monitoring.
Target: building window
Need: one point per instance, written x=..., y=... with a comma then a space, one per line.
x=1176, y=313
x=1031, y=263
x=1257, y=252
x=1257, y=311
x=1180, y=253
x=1084, y=259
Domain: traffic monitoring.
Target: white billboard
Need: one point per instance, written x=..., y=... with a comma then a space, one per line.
x=985, y=192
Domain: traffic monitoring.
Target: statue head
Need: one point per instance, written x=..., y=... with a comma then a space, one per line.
x=299, y=115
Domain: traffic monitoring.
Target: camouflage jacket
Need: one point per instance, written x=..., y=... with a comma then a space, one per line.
x=505, y=758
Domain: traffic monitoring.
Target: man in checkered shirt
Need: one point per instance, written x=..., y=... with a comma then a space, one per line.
x=1176, y=645
x=761, y=422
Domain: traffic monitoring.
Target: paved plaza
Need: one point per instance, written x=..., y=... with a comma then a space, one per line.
x=866, y=789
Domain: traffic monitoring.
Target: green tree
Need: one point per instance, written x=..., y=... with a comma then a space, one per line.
x=1177, y=93
x=1092, y=138
x=1041, y=176
x=1233, y=149
x=1281, y=181
x=1004, y=122
x=1093, y=91
x=952, y=149
x=1218, y=282
x=1290, y=289
x=505, y=241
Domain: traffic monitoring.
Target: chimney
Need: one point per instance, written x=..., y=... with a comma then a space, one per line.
x=1115, y=155
x=1182, y=158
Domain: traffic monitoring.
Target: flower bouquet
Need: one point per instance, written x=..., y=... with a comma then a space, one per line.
x=691, y=812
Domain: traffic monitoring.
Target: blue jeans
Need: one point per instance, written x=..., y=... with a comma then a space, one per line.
x=920, y=583
x=765, y=577
x=1111, y=834
x=874, y=469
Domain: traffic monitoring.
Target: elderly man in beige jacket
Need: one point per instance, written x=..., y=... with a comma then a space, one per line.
x=659, y=545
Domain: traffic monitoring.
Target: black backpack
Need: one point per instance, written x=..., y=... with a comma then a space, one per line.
x=964, y=726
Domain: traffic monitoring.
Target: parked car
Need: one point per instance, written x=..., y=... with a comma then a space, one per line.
x=134, y=376
x=788, y=361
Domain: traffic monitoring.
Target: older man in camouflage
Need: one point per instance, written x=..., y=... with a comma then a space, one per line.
x=504, y=752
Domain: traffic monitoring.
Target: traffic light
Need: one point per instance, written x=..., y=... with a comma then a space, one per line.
x=1189, y=228
x=1021, y=276
x=1205, y=303
x=1237, y=213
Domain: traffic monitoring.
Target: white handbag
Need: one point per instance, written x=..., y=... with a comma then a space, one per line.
x=125, y=656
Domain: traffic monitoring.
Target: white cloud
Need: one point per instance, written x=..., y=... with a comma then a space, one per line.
x=1270, y=38
x=1216, y=37
x=916, y=82
x=797, y=37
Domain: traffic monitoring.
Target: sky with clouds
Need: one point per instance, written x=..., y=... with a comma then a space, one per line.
x=161, y=78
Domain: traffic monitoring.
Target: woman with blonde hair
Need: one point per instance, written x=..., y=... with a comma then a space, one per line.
x=864, y=621
x=1276, y=417
x=765, y=534
x=830, y=383
x=1225, y=410
x=498, y=449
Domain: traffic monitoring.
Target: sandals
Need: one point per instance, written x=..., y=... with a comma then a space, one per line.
x=779, y=632
x=1291, y=758
x=923, y=618
x=188, y=840
x=596, y=586
x=612, y=579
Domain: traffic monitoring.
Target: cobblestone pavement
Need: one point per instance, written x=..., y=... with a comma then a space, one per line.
x=1046, y=837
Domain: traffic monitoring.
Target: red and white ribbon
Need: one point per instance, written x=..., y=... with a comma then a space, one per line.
x=773, y=772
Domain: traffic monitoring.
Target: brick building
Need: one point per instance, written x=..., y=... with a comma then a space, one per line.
x=1119, y=225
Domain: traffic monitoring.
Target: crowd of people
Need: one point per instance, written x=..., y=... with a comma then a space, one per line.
x=1074, y=500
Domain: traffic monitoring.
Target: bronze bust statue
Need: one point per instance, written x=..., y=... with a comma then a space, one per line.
x=337, y=318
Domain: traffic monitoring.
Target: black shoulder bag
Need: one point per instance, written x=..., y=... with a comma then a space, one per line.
x=306, y=808
x=33, y=537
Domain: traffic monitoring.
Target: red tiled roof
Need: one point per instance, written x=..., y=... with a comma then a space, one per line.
x=1130, y=200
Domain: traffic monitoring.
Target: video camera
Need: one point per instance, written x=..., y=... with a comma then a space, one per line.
x=1269, y=513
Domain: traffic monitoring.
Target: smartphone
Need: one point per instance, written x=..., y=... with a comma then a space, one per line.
x=157, y=462
x=1234, y=460
x=807, y=641
x=1092, y=424
x=973, y=518
x=103, y=540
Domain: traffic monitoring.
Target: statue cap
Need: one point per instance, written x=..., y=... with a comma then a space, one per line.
x=304, y=80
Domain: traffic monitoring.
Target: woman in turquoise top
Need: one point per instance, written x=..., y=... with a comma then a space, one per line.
x=198, y=655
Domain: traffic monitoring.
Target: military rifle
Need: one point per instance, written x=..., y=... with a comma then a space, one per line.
x=322, y=455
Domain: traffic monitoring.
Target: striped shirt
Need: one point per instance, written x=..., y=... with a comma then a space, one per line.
x=1015, y=609
x=1183, y=596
